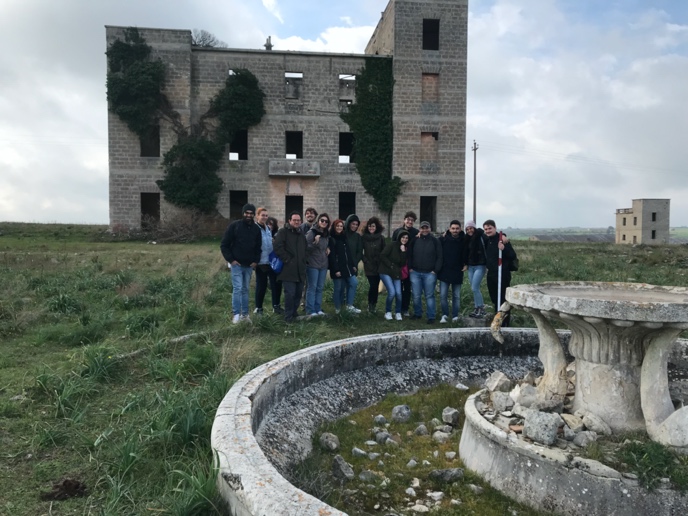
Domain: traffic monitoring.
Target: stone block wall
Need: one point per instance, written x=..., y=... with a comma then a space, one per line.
x=195, y=75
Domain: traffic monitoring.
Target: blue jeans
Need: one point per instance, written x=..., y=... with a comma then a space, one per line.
x=314, y=291
x=476, y=273
x=241, y=277
x=423, y=282
x=393, y=287
x=456, y=298
x=340, y=284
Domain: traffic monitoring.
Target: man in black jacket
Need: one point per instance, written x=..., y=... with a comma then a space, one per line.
x=241, y=247
x=290, y=245
x=495, y=242
x=451, y=275
x=425, y=261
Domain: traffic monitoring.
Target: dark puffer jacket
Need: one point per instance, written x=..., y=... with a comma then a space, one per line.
x=373, y=244
x=453, y=255
x=340, y=257
x=354, y=239
x=393, y=258
x=242, y=242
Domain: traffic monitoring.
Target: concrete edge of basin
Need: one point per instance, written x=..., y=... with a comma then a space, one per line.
x=553, y=480
x=247, y=480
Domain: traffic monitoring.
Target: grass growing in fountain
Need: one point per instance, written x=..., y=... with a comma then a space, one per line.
x=358, y=498
x=655, y=465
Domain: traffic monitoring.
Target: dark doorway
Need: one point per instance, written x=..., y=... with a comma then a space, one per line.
x=428, y=211
x=292, y=203
x=150, y=210
x=347, y=204
x=237, y=200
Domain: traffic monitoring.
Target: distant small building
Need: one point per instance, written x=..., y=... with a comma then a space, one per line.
x=647, y=222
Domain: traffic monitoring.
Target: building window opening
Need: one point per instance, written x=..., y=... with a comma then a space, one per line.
x=654, y=216
x=635, y=221
x=150, y=142
x=293, y=203
x=428, y=211
x=635, y=239
x=238, y=148
x=150, y=210
x=346, y=148
x=293, y=81
x=623, y=237
x=431, y=34
x=294, y=144
x=347, y=204
x=654, y=234
x=347, y=87
x=237, y=200
x=623, y=221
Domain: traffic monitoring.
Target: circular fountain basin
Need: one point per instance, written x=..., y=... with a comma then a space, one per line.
x=252, y=458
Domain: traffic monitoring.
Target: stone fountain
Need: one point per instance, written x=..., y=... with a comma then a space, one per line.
x=621, y=337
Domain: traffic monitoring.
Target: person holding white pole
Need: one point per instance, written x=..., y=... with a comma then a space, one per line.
x=500, y=258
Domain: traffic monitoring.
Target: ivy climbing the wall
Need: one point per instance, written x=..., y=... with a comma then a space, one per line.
x=370, y=119
x=135, y=84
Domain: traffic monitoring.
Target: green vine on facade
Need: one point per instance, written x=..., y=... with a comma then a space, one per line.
x=134, y=92
x=370, y=120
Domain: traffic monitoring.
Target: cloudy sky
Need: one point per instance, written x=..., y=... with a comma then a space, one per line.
x=577, y=107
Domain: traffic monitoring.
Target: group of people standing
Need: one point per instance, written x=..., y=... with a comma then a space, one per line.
x=409, y=266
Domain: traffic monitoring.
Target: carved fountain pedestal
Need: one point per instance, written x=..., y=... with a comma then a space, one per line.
x=621, y=336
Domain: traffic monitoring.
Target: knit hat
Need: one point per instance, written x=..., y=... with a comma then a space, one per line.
x=425, y=223
x=248, y=207
x=470, y=224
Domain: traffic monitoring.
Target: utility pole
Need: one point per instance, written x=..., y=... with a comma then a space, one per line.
x=475, y=184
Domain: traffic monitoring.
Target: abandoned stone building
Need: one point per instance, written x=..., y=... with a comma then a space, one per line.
x=300, y=153
x=647, y=222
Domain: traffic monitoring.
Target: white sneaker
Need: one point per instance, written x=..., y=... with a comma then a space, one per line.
x=353, y=309
x=455, y=319
x=236, y=319
x=321, y=313
x=398, y=317
x=388, y=316
x=314, y=314
x=444, y=319
x=337, y=310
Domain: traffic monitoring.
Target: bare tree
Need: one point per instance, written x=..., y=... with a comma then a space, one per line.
x=203, y=38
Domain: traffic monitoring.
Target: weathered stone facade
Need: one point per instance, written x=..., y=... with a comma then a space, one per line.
x=305, y=93
x=647, y=222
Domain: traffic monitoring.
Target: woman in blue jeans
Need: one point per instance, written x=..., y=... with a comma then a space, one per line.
x=342, y=268
x=317, y=263
x=392, y=259
x=475, y=258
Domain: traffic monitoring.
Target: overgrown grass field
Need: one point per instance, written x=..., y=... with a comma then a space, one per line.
x=97, y=386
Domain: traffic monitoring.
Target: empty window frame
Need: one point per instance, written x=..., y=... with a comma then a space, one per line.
x=347, y=204
x=623, y=237
x=293, y=81
x=237, y=200
x=635, y=239
x=150, y=142
x=654, y=216
x=635, y=221
x=347, y=87
x=654, y=234
x=293, y=144
x=430, y=87
x=428, y=211
x=346, y=148
x=293, y=203
x=623, y=221
x=238, y=148
x=431, y=34
x=150, y=210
